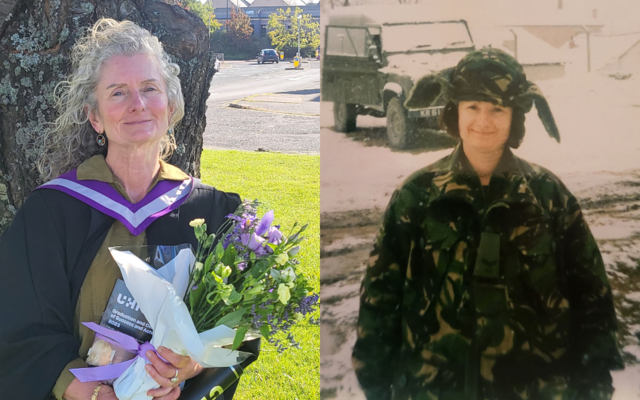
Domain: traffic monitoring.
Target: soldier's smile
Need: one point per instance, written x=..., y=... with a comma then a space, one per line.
x=484, y=127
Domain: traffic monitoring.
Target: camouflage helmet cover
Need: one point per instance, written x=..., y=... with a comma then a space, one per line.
x=488, y=75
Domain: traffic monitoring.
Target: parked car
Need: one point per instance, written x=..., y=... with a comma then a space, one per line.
x=370, y=66
x=268, y=55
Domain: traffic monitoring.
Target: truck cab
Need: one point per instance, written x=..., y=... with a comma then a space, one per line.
x=371, y=64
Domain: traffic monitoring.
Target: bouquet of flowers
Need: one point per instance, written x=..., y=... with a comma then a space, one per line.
x=249, y=281
x=242, y=282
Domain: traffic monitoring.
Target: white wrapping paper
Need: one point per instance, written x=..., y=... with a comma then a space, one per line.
x=159, y=294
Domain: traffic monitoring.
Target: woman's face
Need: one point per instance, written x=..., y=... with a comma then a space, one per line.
x=133, y=108
x=484, y=127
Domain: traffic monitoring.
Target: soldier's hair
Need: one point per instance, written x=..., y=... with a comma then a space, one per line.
x=71, y=139
x=449, y=122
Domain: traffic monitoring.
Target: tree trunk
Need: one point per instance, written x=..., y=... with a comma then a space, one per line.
x=35, y=43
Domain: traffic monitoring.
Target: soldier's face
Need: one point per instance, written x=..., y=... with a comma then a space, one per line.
x=484, y=127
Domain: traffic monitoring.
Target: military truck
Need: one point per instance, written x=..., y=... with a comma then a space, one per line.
x=371, y=63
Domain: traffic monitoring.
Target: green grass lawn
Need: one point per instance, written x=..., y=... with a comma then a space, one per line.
x=289, y=185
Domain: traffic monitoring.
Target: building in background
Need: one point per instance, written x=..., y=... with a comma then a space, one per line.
x=259, y=11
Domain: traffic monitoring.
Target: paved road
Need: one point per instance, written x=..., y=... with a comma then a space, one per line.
x=271, y=107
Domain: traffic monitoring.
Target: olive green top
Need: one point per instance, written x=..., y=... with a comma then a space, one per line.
x=103, y=272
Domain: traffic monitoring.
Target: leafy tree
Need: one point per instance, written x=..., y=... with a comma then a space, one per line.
x=205, y=11
x=239, y=28
x=287, y=40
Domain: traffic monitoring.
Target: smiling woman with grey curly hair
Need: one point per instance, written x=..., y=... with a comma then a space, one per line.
x=107, y=185
x=72, y=139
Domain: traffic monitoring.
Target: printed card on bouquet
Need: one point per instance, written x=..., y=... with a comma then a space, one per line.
x=123, y=314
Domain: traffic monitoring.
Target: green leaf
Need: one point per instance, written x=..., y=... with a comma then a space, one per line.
x=234, y=297
x=229, y=256
x=219, y=251
x=232, y=319
x=237, y=341
x=209, y=241
x=195, y=296
x=265, y=331
x=200, y=232
x=259, y=269
x=216, y=277
x=207, y=263
x=210, y=296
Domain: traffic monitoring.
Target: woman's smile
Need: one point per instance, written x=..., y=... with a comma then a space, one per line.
x=137, y=122
x=133, y=107
x=484, y=126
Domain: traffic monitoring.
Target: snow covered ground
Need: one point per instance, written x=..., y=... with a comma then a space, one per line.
x=598, y=159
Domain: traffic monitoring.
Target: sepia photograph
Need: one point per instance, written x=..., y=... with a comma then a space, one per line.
x=480, y=187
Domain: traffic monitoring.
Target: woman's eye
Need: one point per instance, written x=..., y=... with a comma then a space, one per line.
x=473, y=107
x=118, y=93
x=149, y=89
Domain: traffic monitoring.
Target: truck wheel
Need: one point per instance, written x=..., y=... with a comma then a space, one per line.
x=344, y=117
x=400, y=128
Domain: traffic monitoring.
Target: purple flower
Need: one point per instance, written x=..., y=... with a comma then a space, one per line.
x=227, y=241
x=256, y=243
x=242, y=266
x=245, y=238
x=265, y=222
x=246, y=224
x=234, y=217
x=260, y=251
x=274, y=236
x=194, y=288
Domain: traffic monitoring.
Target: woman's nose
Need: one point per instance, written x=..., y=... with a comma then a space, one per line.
x=483, y=118
x=137, y=102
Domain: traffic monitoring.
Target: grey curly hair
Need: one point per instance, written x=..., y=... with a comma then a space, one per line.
x=71, y=139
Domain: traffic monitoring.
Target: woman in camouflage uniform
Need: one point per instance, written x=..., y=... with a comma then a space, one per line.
x=485, y=281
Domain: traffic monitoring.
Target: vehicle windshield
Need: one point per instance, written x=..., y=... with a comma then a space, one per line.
x=270, y=52
x=424, y=37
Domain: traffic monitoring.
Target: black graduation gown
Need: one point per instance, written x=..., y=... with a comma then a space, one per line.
x=44, y=258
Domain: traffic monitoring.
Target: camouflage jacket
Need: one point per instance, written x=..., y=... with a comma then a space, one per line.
x=495, y=292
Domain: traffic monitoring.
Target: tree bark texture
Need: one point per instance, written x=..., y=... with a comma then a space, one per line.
x=35, y=44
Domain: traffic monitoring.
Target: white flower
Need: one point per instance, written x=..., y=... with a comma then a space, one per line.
x=288, y=275
x=282, y=259
x=199, y=266
x=196, y=222
x=283, y=294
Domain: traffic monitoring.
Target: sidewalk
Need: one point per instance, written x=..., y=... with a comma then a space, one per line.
x=299, y=102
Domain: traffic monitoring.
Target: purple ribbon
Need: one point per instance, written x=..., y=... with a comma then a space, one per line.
x=119, y=339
